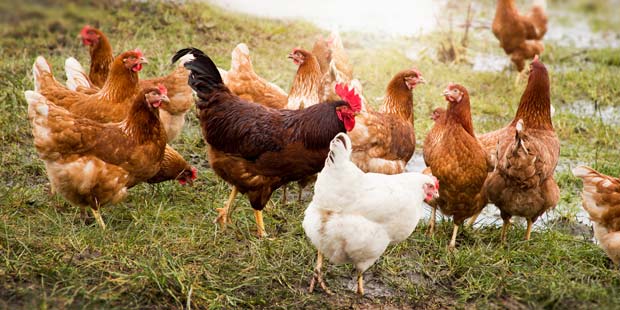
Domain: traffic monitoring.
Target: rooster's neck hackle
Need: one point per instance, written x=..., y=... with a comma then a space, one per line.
x=460, y=114
x=535, y=105
x=398, y=100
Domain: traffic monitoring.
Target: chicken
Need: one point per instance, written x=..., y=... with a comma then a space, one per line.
x=433, y=139
x=174, y=167
x=92, y=164
x=601, y=198
x=100, y=51
x=307, y=84
x=354, y=216
x=245, y=83
x=520, y=36
x=172, y=115
x=527, y=154
x=112, y=103
x=384, y=141
x=458, y=160
x=258, y=149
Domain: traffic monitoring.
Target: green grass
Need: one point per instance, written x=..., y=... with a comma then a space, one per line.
x=161, y=249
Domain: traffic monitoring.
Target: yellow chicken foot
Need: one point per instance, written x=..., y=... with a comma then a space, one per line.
x=260, y=225
x=452, y=244
x=529, y=229
x=360, y=283
x=318, y=275
x=98, y=218
x=431, y=223
x=505, y=230
x=222, y=216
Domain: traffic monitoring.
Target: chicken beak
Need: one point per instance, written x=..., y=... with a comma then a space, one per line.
x=164, y=98
x=445, y=93
x=291, y=56
x=421, y=80
x=143, y=60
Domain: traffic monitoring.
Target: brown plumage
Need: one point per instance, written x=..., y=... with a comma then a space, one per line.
x=93, y=164
x=100, y=51
x=245, y=83
x=520, y=35
x=258, y=149
x=174, y=167
x=457, y=160
x=601, y=199
x=383, y=142
x=181, y=98
x=306, y=88
x=111, y=103
x=527, y=152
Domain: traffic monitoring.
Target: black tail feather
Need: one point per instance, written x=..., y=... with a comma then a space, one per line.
x=204, y=77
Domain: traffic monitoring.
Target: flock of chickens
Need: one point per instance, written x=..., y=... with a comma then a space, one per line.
x=106, y=131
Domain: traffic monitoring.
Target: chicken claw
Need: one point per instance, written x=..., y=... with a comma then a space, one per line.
x=318, y=276
x=222, y=216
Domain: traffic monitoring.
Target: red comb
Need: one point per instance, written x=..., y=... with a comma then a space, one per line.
x=194, y=173
x=85, y=30
x=162, y=89
x=138, y=52
x=349, y=96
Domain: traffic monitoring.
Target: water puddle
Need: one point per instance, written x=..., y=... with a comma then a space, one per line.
x=490, y=62
x=609, y=115
x=580, y=35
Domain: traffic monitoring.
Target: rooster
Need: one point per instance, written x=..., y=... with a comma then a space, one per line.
x=258, y=149
x=520, y=36
x=601, y=198
x=527, y=152
x=93, y=164
x=458, y=160
x=354, y=215
x=172, y=115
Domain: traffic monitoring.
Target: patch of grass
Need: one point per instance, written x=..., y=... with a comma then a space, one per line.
x=161, y=249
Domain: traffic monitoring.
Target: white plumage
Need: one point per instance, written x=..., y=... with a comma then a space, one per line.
x=354, y=216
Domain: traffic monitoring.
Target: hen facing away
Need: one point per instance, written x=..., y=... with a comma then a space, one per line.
x=458, y=160
x=601, y=199
x=527, y=152
x=354, y=216
x=258, y=149
x=92, y=164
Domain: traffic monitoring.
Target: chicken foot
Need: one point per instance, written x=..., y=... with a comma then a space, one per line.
x=529, y=229
x=317, y=275
x=431, y=223
x=222, y=216
x=505, y=229
x=472, y=220
x=455, y=231
x=360, y=283
x=98, y=218
x=260, y=225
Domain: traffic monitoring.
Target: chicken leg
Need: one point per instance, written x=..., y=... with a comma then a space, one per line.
x=360, y=283
x=98, y=218
x=222, y=216
x=505, y=229
x=431, y=222
x=283, y=200
x=260, y=225
x=472, y=220
x=455, y=231
x=529, y=229
x=317, y=276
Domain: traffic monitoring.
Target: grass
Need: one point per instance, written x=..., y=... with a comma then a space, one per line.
x=161, y=249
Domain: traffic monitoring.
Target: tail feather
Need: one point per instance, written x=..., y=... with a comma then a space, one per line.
x=76, y=75
x=594, y=185
x=339, y=150
x=39, y=67
x=37, y=104
x=240, y=56
x=205, y=76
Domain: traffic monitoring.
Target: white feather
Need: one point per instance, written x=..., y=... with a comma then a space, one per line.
x=76, y=76
x=40, y=65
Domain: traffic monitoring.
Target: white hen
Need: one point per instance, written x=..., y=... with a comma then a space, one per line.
x=354, y=215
